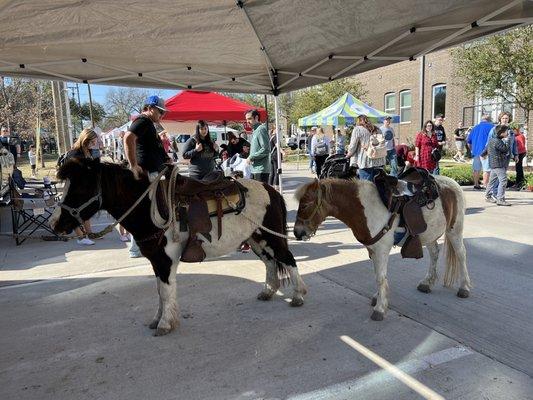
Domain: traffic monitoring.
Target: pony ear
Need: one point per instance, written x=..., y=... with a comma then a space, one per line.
x=70, y=168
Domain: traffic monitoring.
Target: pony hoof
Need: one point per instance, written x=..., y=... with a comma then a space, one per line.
x=424, y=288
x=264, y=296
x=374, y=301
x=162, y=331
x=377, y=316
x=296, y=302
x=153, y=324
x=463, y=293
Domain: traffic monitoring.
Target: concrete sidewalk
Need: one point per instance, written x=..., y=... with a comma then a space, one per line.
x=73, y=321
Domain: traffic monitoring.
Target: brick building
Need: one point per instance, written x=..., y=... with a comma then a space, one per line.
x=396, y=89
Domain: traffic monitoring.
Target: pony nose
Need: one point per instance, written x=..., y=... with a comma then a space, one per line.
x=299, y=231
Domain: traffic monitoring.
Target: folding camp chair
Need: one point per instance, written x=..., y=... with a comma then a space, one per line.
x=30, y=210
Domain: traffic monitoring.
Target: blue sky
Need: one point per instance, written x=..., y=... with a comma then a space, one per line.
x=99, y=92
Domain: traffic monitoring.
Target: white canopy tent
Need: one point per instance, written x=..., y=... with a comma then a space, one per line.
x=259, y=46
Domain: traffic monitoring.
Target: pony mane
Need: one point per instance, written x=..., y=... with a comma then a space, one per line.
x=115, y=178
x=326, y=185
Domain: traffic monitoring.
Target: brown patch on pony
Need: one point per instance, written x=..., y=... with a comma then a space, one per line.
x=345, y=195
x=449, y=205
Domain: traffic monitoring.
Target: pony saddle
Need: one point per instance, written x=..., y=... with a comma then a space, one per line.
x=198, y=202
x=406, y=195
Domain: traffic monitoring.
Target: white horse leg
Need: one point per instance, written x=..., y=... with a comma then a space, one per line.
x=157, y=317
x=431, y=276
x=380, y=259
x=169, y=305
x=272, y=282
x=273, y=261
x=456, y=240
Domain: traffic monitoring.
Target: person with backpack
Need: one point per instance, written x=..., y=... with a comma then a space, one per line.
x=390, y=144
x=320, y=147
x=367, y=148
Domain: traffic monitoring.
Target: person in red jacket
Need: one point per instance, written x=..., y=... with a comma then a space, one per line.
x=521, y=149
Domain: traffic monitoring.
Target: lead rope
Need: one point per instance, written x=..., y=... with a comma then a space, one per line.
x=254, y=222
x=109, y=228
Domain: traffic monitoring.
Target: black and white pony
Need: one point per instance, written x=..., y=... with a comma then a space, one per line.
x=94, y=186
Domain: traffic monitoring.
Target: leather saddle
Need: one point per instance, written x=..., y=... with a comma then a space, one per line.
x=200, y=200
x=408, y=193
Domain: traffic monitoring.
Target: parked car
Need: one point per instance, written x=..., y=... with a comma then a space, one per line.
x=294, y=141
x=218, y=135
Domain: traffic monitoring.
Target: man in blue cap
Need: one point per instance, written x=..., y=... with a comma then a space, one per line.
x=143, y=147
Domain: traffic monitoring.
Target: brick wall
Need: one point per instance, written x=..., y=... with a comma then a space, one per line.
x=406, y=75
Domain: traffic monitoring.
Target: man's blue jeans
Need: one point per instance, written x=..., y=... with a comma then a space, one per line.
x=367, y=174
x=393, y=161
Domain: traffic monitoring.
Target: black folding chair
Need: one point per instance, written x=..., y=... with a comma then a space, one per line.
x=30, y=210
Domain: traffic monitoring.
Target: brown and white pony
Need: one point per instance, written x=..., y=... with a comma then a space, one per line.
x=358, y=204
x=93, y=186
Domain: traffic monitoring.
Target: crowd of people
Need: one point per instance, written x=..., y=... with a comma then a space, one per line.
x=371, y=148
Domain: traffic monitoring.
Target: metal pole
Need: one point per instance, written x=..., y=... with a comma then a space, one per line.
x=70, y=127
x=79, y=105
x=90, y=105
x=278, y=144
x=266, y=109
x=421, y=90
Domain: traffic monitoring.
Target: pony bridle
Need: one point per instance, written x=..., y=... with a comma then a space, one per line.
x=318, y=206
x=76, y=211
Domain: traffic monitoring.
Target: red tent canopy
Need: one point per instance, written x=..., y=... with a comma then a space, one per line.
x=190, y=105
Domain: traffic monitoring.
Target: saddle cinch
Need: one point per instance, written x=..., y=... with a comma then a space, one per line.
x=197, y=202
x=407, y=194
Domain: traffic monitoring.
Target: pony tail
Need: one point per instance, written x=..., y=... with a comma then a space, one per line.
x=452, y=264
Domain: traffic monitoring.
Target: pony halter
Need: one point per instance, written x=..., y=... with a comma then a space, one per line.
x=76, y=211
x=318, y=206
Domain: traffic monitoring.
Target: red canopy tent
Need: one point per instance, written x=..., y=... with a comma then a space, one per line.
x=191, y=105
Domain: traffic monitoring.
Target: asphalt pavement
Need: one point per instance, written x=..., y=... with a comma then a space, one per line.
x=73, y=321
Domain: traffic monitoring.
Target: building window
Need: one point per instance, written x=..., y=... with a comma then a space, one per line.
x=439, y=100
x=405, y=106
x=390, y=103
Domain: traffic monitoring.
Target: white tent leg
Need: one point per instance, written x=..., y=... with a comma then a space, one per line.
x=278, y=144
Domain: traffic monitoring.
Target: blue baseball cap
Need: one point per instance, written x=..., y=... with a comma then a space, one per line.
x=156, y=101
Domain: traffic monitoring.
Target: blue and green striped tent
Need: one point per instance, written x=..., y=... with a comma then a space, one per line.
x=344, y=111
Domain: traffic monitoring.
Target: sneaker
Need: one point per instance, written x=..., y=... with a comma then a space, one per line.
x=124, y=238
x=478, y=187
x=85, y=242
x=503, y=203
x=491, y=199
x=135, y=255
x=245, y=248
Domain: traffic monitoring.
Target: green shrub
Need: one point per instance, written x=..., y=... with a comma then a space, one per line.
x=462, y=174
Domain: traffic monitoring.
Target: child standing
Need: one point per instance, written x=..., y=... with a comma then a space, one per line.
x=32, y=155
x=498, y=151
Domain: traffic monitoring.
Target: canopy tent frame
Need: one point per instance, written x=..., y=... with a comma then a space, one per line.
x=253, y=80
x=147, y=78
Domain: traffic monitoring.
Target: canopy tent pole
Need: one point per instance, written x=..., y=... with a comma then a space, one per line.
x=278, y=145
x=90, y=104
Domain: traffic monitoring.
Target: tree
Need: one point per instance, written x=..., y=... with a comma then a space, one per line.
x=122, y=102
x=21, y=101
x=500, y=66
x=311, y=100
x=83, y=113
